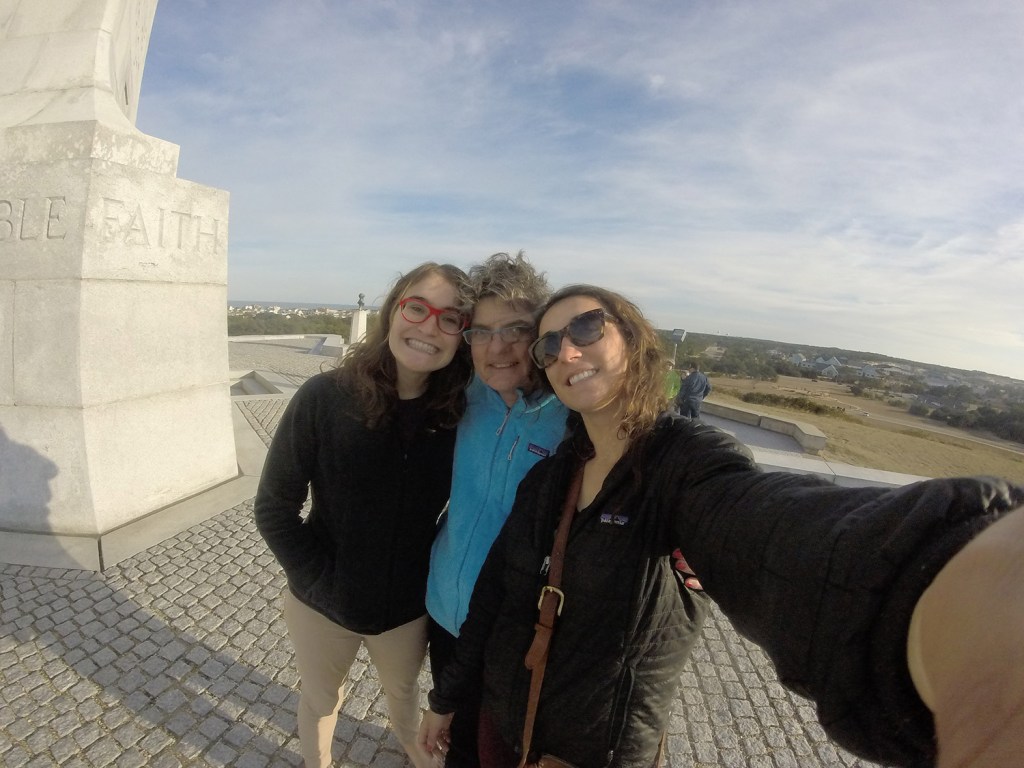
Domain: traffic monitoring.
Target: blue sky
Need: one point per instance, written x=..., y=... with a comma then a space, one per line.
x=829, y=172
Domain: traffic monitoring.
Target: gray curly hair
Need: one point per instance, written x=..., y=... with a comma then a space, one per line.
x=509, y=278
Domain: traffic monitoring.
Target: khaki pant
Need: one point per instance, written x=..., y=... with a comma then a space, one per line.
x=324, y=651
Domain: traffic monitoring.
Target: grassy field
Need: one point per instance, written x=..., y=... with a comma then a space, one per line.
x=873, y=434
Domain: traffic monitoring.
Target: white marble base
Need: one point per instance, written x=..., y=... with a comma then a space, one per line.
x=114, y=386
x=99, y=551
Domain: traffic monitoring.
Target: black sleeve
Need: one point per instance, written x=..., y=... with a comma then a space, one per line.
x=284, y=485
x=461, y=679
x=826, y=578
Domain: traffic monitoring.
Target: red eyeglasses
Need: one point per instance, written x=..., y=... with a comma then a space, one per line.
x=416, y=310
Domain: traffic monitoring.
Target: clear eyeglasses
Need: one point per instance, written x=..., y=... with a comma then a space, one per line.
x=509, y=334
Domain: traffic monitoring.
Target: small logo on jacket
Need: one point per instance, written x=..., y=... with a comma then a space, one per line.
x=608, y=518
x=538, y=449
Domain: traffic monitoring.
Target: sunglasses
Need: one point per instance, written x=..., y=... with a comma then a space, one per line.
x=417, y=311
x=583, y=330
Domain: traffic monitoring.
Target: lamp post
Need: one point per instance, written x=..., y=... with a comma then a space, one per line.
x=677, y=336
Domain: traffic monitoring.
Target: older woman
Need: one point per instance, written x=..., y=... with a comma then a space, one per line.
x=828, y=580
x=509, y=425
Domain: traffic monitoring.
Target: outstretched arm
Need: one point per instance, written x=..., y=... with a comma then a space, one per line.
x=966, y=649
x=848, y=567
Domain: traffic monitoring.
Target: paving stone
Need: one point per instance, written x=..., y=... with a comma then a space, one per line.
x=132, y=758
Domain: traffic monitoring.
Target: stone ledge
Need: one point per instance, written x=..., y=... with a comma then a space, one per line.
x=771, y=459
x=853, y=476
x=260, y=385
x=256, y=338
x=837, y=473
x=326, y=344
x=808, y=436
x=99, y=551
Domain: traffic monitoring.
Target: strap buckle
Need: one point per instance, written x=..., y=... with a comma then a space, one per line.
x=561, y=597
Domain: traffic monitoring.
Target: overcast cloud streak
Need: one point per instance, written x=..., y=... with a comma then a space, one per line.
x=830, y=173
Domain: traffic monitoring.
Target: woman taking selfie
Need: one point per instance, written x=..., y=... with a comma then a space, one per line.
x=860, y=596
x=372, y=442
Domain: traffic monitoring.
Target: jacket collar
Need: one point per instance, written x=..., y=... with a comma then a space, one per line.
x=526, y=403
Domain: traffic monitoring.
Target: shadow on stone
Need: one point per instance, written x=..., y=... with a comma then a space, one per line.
x=25, y=494
x=176, y=657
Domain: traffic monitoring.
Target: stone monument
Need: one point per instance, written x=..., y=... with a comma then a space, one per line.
x=358, y=332
x=114, y=392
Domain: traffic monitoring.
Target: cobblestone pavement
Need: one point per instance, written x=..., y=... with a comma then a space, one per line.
x=179, y=657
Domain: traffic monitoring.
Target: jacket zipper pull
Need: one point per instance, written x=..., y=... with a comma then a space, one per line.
x=545, y=566
x=513, y=448
x=501, y=427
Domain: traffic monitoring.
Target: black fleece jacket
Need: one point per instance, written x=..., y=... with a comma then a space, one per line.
x=824, y=578
x=360, y=557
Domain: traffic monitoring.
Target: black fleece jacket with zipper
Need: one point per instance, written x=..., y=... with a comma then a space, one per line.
x=824, y=578
x=360, y=557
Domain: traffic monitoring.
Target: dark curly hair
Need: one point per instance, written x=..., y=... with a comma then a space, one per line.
x=644, y=382
x=369, y=367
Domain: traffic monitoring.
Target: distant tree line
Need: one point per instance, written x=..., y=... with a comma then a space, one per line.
x=957, y=409
x=1007, y=424
x=794, y=403
x=270, y=323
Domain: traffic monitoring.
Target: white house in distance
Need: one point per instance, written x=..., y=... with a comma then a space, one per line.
x=868, y=372
x=826, y=369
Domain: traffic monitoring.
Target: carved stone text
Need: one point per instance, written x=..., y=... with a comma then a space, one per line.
x=32, y=218
x=129, y=223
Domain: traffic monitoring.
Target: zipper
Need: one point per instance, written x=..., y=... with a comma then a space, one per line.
x=501, y=427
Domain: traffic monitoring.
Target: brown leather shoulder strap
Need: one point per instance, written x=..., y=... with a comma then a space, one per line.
x=550, y=605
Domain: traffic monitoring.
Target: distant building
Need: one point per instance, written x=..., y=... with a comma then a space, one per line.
x=826, y=370
x=896, y=370
x=869, y=372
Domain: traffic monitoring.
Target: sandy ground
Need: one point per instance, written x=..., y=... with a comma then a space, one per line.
x=877, y=435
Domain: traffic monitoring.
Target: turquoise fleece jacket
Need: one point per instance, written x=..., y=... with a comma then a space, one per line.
x=495, y=447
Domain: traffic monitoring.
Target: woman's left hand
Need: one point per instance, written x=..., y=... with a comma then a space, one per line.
x=433, y=735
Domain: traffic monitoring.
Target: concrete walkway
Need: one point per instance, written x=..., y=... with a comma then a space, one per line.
x=178, y=656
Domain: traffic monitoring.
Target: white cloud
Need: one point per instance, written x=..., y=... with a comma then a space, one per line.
x=840, y=173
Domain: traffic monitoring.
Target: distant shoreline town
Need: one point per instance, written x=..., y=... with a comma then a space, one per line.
x=909, y=367
x=958, y=397
x=283, y=307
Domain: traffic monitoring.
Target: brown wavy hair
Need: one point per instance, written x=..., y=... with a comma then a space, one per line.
x=369, y=367
x=644, y=381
